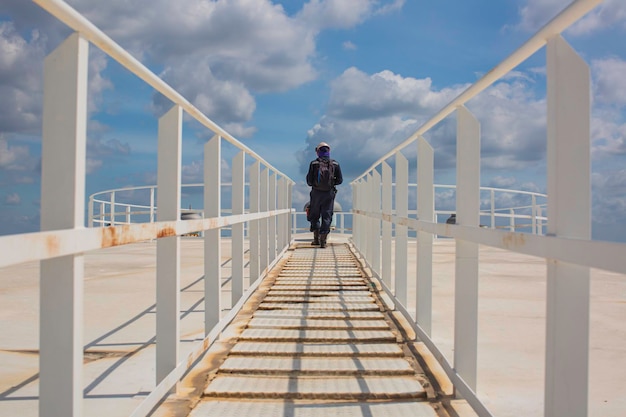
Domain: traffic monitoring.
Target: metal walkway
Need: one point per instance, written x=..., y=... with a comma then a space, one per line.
x=320, y=342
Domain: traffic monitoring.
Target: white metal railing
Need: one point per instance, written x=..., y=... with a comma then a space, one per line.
x=107, y=208
x=63, y=240
x=566, y=245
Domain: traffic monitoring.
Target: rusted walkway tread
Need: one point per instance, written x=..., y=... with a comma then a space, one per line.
x=317, y=366
x=307, y=409
x=318, y=335
x=293, y=349
x=313, y=324
x=319, y=314
x=321, y=306
x=313, y=387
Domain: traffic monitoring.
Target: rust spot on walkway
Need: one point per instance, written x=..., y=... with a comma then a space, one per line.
x=115, y=236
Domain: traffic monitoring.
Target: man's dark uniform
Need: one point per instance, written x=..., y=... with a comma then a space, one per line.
x=322, y=199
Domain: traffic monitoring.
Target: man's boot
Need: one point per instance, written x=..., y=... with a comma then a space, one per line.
x=316, y=237
x=323, y=240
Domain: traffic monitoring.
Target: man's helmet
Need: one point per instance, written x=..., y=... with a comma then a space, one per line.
x=322, y=145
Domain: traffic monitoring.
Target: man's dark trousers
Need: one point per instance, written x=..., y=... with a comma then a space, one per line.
x=322, y=203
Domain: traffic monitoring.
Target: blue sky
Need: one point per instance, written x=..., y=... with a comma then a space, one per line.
x=283, y=75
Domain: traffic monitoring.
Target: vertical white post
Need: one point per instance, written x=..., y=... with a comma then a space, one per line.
x=263, y=203
x=90, y=213
x=366, y=242
x=426, y=213
x=272, y=220
x=493, y=209
x=212, y=241
x=127, y=214
x=376, y=206
x=168, y=248
x=402, y=210
x=387, y=194
x=355, y=217
x=254, y=225
x=62, y=207
x=533, y=213
x=282, y=182
x=568, y=161
x=466, y=268
x=289, y=204
x=112, y=208
x=238, y=195
x=151, y=204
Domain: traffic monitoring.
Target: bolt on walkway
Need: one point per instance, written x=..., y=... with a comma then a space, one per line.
x=320, y=341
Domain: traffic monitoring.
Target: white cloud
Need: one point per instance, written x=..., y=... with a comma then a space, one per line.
x=349, y=46
x=609, y=81
x=12, y=199
x=606, y=15
x=536, y=13
x=21, y=63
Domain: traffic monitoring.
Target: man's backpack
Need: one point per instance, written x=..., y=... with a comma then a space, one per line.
x=324, y=177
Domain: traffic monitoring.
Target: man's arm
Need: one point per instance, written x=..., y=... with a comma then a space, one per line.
x=338, y=175
x=309, y=175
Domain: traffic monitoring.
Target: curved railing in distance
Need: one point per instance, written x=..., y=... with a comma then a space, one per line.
x=107, y=208
x=566, y=245
x=64, y=240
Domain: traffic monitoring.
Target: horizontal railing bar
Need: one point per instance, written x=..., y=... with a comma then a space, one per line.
x=45, y=245
x=562, y=21
x=591, y=253
x=89, y=31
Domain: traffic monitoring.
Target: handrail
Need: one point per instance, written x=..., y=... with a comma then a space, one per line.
x=557, y=25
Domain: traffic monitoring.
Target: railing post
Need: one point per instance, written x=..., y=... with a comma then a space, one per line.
x=533, y=214
x=112, y=209
x=272, y=220
x=127, y=214
x=466, y=268
x=237, y=204
x=168, y=248
x=511, y=220
x=254, y=225
x=355, y=217
x=212, y=240
x=152, y=204
x=263, y=204
x=402, y=210
x=289, y=204
x=426, y=213
x=493, y=208
x=103, y=214
x=387, y=195
x=568, y=166
x=376, y=209
x=90, y=213
x=282, y=219
x=62, y=207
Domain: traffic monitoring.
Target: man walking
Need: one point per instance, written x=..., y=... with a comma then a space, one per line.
x=324, y=174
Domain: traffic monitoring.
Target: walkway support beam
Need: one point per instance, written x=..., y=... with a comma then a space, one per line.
x=569, y=214
x=62, y=207
x=466, y=267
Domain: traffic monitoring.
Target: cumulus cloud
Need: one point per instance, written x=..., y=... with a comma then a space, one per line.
x=536, y=13
x=21, y=63
x=606, y=15
x=12, y=199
